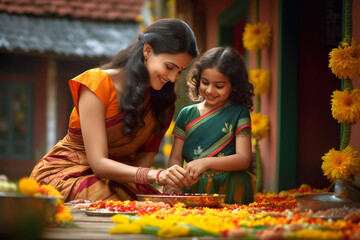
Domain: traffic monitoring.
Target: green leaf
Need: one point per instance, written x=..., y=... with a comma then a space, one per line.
x=148, y=229
x=195, y=231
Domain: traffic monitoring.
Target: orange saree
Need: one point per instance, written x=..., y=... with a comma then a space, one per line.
x=66, y=168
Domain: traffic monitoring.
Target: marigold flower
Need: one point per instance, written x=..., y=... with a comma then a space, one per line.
x=63, y=215
x=260, y=79
x=345, y=61
x=170, y=129
x=120, y=219
x=260, y=125
x=341, y=164
x=126, y=228
x=48, y=190
x=173, y=231
x=166, y=149
x=28, y=186
x=346, y=106
x=256, y=36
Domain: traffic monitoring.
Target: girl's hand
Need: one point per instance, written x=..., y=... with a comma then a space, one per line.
x=196, y=167
x=175, y=176
x=171, y=190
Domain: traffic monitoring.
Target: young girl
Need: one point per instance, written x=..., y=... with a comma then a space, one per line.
x=214, y=136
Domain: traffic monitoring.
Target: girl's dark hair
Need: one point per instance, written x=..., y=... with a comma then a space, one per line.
x=169, y=36
x=229, y=62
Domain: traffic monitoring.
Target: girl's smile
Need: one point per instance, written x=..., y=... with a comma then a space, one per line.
x=215, y=87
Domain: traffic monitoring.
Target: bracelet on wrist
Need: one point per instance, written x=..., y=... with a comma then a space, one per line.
x=157, y=178
x=141, y=175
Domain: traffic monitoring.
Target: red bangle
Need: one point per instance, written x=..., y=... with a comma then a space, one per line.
x=157, y=178
x=141, y=175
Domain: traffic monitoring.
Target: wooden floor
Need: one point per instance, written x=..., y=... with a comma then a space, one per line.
x=94, y=227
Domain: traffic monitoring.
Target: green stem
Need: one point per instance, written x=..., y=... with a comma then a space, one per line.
x=345, y=138
x=348, y=21
x=347, y=84
x=258, y=180
x=257, y=103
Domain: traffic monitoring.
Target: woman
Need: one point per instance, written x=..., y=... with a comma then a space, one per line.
x=121, y=113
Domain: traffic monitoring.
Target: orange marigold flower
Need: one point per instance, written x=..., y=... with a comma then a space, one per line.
x=345, y=61
x=28, y=186
x=260, y=79
x=345, y=106
x=256, y=36
x=341, y=164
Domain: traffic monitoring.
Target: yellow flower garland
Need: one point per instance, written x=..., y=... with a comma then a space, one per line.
x=260, y=125
x=345, y=61
x=256, y=36
x=346, y=106
x=260, y=79
x=341, y=164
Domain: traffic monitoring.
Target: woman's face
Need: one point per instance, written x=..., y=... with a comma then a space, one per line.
x=164, y=67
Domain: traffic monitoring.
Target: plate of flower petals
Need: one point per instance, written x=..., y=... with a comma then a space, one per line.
x=189, y=199
x=105, y=212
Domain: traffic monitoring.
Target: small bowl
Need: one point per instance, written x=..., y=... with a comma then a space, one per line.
x=22, y=215
x=323, y=201
x=193, y=200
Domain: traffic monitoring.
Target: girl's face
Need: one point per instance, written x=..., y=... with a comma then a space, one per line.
x=215, y=87
x=164, y=67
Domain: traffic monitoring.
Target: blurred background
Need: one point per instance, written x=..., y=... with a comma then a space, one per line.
x=44, y=43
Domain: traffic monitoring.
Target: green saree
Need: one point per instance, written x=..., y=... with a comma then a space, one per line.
x=213, y=135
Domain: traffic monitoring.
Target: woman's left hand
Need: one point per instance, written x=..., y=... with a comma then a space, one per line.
x=196, y=167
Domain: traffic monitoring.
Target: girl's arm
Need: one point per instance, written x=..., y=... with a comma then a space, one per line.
x=92, y=120
x=239, y=161
x=176, y=159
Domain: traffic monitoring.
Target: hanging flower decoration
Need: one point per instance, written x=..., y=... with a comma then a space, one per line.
x=341, y=164
x=346, y=106
x=260, y=79
x=260, y=125
x=345, y=60
x=256, y=36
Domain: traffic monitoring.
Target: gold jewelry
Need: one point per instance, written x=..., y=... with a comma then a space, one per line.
x=145, y=61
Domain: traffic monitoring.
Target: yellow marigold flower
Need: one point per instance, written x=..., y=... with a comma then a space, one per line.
x=341, y=164
x=173, y=231
x=139, y=18
x=260, y=79
x=48, y=191
x=318, y=234
x=167, y=149
x=28, y=186
x=120, y=219
x=63, y=215
x=126, y=228
x=170, y=129
x=256, y=36
x=345, y=106
x=345, y=61
x=260, y=125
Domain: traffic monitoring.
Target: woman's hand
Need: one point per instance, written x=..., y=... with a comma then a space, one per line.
x=196, y=167
x=176, y=177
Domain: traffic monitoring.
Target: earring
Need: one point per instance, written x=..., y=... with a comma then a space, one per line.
x=145, y=61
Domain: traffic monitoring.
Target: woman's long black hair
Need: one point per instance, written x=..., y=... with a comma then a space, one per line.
x=169, y=36
x=229, y=62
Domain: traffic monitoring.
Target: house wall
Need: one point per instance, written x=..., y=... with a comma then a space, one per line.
x=355, y=130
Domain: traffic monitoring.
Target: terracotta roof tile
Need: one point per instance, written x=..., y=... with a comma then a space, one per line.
x=108, y=10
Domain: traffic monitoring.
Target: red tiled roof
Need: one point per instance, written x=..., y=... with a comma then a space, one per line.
x=108, y=10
